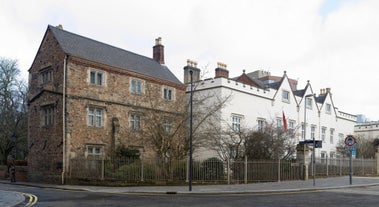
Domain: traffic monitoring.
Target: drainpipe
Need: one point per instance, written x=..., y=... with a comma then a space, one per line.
x=64, y=118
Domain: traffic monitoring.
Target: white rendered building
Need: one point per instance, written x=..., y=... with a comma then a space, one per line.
x=258, y=98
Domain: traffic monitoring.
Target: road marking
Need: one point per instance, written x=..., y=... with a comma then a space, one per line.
x=32, y=199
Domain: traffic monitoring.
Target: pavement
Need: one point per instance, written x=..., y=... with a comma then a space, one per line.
x=11, y=198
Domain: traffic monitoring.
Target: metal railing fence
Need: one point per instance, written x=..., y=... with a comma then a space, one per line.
x=204, y=171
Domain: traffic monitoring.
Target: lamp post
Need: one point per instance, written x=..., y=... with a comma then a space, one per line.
x=14, y=140
x=313, y=140
x=190, y=149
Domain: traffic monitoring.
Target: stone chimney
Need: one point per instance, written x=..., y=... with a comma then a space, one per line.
x=221, y=70
x=191, y=66
x=59, y=27
x=158, y=51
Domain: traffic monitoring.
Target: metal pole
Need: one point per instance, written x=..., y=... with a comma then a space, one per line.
x=190, y=150
x=351, y=168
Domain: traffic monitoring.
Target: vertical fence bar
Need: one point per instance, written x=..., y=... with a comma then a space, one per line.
x=102, y=169
x=278, y=169
x=228, y=170
x=245, y=170
x=327, y=166
x=142, y=169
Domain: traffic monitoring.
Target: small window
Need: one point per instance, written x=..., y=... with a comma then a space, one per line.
x=328, y=108
x=331, y=136
x=95, y=117
x=168, y=94
x=323, y=134
x=135, y=122
x=136, y=87
x=94, y=150
x=302, y=131
x=96, y=78
x=46, y=76
x=236, y=123
x=279, y=122
x=309, y=103
x=48, y=115
x=261, y=123
x=285, y=96
x=167, y=126
x=313, y=131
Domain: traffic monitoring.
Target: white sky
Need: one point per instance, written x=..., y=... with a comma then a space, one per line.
x=332, y=43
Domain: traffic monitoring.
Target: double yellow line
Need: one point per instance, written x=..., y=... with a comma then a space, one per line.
x=32, y=199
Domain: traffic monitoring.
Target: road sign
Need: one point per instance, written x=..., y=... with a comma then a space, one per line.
x=350, y=141
x=318, y=143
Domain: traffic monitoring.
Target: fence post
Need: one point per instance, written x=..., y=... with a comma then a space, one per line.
x=245, y=169
x=142, y=169
x=278, y=169
x=102, y=168
x=228, y=170
x=341, y=166
x=327, y=165
x=187, y=170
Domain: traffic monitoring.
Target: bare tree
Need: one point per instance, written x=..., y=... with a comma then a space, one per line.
x=13, y=111
x=271, y=142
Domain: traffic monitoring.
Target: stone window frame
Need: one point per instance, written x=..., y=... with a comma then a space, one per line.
x=46, y=75
x=93, y=77
x=47, y=115
x=135, y=124
x=140, y=89
x=98, y=119
x=167, y=125
x=168, y=93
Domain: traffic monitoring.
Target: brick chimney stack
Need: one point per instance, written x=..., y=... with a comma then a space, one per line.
x=221, y=70
x=158, y=51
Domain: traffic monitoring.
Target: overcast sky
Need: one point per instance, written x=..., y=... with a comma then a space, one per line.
x=332, y=43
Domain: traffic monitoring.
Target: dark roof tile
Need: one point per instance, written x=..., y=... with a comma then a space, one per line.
x=96, y=51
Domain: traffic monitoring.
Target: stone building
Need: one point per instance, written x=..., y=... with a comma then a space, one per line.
x=86, y=98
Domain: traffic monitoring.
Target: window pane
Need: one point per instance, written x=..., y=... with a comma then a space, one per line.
x=91, y=116
x=98, y=117
x=99, y=79
x=93, y=77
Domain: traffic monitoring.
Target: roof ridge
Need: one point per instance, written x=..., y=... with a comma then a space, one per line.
x=107, y=44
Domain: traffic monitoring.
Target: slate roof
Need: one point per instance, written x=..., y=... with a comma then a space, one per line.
x=96, y=51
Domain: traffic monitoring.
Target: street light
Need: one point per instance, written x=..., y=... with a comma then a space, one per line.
x=190, y=150
x=313, y=139
x=14, y=140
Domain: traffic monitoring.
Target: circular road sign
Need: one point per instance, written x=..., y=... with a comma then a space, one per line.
x=350, y=141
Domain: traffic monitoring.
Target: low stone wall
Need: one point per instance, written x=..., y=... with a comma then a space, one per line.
x=21, y=173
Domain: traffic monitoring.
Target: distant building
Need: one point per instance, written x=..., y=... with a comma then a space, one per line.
x=259, y=98
x=86, y=98
x=367, y=130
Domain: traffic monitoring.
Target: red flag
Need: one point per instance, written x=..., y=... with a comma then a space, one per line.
x=284, y=121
